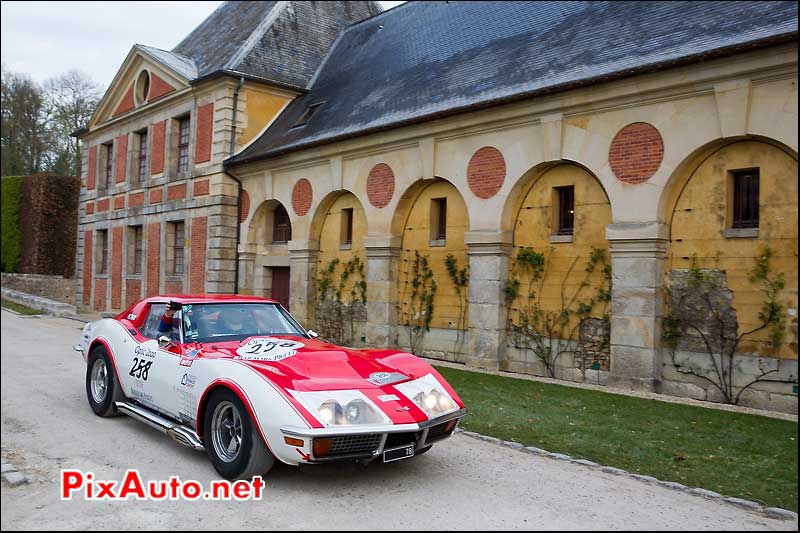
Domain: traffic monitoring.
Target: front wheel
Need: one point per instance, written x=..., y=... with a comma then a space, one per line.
x=232, y=440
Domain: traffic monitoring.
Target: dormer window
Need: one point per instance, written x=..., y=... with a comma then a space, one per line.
x=307, y=114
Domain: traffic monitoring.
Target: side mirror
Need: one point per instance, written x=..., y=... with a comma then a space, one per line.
x=164, y=341
x=313, y=334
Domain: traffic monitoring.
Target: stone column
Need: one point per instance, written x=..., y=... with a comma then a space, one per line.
x=637, y=302
x=489, y=255
x=303, y=256
x=383, y=254
x=247, y=261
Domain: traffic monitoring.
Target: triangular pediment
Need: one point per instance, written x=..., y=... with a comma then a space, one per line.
x=146, y=76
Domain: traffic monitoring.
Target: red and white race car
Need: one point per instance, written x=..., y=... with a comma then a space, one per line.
x=240, y=378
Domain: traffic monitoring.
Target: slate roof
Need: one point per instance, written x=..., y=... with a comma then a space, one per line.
x=282, y=42
x=423, y=60
x=185, y=66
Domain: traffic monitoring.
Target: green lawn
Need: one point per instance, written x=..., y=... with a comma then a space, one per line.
x=735, y=454
x=19, y=308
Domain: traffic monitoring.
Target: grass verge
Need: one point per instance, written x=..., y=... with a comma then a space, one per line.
x=735, y=454
x=19, y=308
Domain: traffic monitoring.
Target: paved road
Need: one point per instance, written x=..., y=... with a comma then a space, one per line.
x=462, y=483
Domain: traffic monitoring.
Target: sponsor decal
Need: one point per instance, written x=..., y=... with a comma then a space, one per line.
x=268, y=349
x=131, y=317
x=386, y=378
x=185, y=361
x=388, y=398
x=188, y=380
x=144, y=351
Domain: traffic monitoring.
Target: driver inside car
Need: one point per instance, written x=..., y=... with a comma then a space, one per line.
x=166, y=323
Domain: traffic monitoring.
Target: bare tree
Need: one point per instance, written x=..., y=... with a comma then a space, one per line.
x=23, y=130
x=71, y=99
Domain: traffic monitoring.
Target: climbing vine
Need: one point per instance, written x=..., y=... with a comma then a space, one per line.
x=551, y=332
x=459, y=277
x=701, y=314
x=416, y=310
x=337, y=317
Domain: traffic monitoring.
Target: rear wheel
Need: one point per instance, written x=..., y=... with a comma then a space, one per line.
x=102, y=387
x=232, y=440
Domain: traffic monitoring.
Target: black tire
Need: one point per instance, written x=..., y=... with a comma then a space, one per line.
x=102, y=401
x=251, y=457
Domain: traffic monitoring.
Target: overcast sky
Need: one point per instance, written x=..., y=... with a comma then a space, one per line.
x=44, y=39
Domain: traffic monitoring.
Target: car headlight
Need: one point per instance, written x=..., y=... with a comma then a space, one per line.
x=429, y=395
x=341, y=408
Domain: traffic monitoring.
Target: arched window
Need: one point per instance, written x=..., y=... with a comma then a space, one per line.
x=281, y=226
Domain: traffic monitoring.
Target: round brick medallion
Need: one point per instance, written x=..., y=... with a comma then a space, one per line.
x=380, y=185
x=486, y=172
x=245, y=206
x=301, y=197
x=636, y=152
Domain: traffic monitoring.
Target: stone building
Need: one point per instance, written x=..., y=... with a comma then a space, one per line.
x=463, y=169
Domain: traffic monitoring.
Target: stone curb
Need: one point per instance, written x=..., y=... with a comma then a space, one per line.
x=39, y=303
x=771, y=512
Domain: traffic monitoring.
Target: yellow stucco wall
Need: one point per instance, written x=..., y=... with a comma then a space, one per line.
x=417, y=236
x=261, y=107
x=330, y=240
x=533, y=228
x=700, y=217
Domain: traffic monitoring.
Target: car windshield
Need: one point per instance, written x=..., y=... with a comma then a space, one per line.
x=236, y=321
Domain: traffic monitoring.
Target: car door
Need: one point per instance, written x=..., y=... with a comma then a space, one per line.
x=155, y=370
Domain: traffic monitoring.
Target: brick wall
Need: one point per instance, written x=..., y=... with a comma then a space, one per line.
x=157, y=147
x=380, y=185
x=486, y=172
x=87, y=267
x=636, y=152
x=119, y=202
x=120, y=158
x=302, y=195
x=127, y=102
x=133, y=291
x=136, y=199
x=156, y=196
x=173, y=287
x=101, y=205
x=197, y=273
x=176, y=192
x=91, y=172
x=153, y=258
x=205, y=127
x=158, y=88
x=100, y=285
x=200, y=187
x=116, y=267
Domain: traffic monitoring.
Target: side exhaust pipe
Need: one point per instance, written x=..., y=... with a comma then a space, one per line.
x=181, y=434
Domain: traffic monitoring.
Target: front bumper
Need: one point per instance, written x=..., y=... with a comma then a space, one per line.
x=378, y=438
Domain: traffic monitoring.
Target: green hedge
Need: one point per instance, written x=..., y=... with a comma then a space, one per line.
x=10, y=246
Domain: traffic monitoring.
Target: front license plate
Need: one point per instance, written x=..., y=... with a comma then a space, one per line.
x=395, y=454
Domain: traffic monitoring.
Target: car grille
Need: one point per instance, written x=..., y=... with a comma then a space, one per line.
x=400, y=439
x=355, y=444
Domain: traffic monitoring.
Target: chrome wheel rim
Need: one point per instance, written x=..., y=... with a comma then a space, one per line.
x=226, y=431
x=99, y=381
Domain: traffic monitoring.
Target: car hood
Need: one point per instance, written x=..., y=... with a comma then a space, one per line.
x=314, y=365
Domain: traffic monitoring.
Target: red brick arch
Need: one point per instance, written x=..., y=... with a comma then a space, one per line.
x=486, y=172
x=302, y=195
x=636, y=152
x=380, y=185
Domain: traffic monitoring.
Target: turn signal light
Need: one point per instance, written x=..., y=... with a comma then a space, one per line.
x=293, y=442
x=322, y=447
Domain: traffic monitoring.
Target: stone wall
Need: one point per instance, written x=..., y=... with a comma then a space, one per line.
x=594, y=351
x=341, y=323
x=56, y=288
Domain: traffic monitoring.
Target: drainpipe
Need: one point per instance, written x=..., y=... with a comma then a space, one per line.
x=239, y=184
